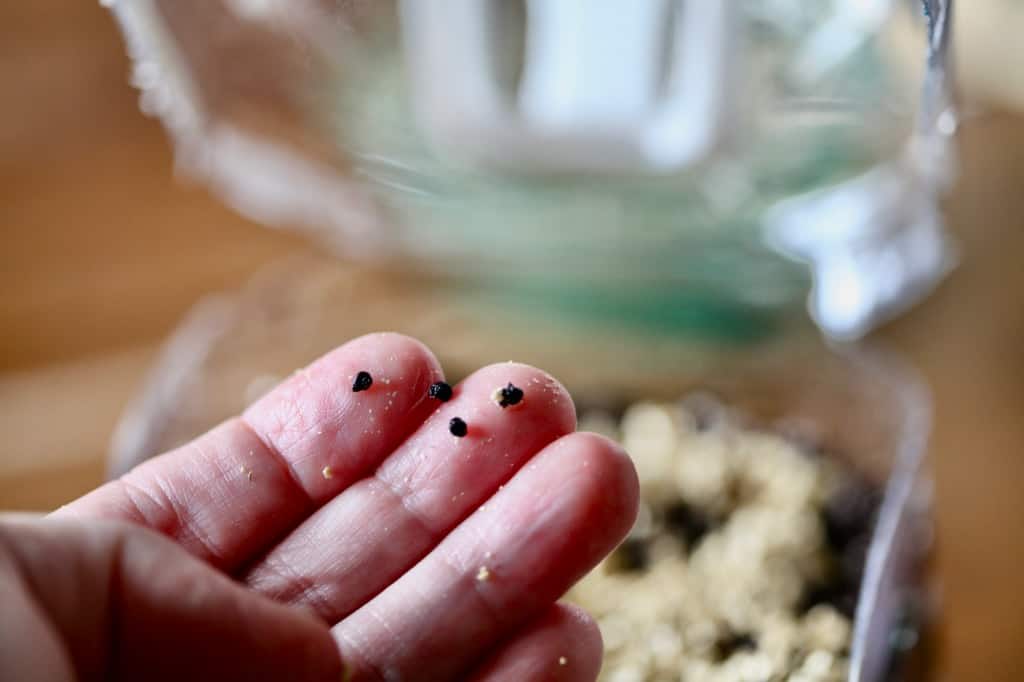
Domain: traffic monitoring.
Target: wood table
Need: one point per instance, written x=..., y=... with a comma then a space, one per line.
x=102, y=251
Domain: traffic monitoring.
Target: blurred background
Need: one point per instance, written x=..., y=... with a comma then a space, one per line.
x=104, y=250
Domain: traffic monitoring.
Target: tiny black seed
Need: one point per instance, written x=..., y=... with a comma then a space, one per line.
x=440, y=391
x=510, y=395
x=458, y=428
x=363, y=382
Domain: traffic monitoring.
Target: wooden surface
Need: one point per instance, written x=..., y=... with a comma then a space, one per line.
x=101, y=251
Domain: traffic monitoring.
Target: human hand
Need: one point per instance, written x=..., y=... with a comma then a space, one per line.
x=389, y=548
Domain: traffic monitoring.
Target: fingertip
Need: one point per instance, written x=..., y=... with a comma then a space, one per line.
x=581, y=622
x=321, y=420
x=619, y=464
x=388, y=355
x=542, y=392
x=607, y=479
x=563, y=644
x=581, y=636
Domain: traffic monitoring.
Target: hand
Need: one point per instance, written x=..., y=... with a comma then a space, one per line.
x=332, y=532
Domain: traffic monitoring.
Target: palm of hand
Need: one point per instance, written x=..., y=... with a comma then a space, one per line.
x=429, y=557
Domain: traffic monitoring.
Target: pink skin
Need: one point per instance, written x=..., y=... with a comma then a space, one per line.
x=386, y=551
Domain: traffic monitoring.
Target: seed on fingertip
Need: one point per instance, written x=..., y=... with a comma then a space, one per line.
x=362, y=382
x=457, y=427
x=562, y=660
x=508, y=396
x=439, y=390
x=327, y=472
x=484, y=574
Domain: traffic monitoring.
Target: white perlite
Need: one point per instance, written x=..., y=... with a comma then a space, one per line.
x=726, y=608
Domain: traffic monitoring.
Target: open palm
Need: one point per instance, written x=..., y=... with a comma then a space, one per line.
x=428, y=556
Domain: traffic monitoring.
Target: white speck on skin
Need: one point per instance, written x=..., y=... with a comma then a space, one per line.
x=562, y=660
x=327, y=472
x=488, y=555
x=483, y=575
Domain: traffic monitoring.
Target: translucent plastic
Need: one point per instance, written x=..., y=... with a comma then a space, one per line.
x=860, y=406
x=301, y=113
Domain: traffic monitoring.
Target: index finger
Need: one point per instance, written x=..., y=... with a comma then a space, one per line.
x=230, y=494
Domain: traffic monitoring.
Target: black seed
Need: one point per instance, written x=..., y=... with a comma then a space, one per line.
x=363, y=382
x=510, y=395
x=440, y=391
x=458, y=428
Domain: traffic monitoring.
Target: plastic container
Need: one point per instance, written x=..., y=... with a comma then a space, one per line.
x=627, y=279
x=861, y=406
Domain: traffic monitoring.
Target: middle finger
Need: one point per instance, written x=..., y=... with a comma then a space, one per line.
x=365, y=538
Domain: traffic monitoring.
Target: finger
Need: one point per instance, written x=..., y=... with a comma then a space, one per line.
x=390, y=520
x=563, y=645
x=230, y=494
x=121, y=602
x=501, y=567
